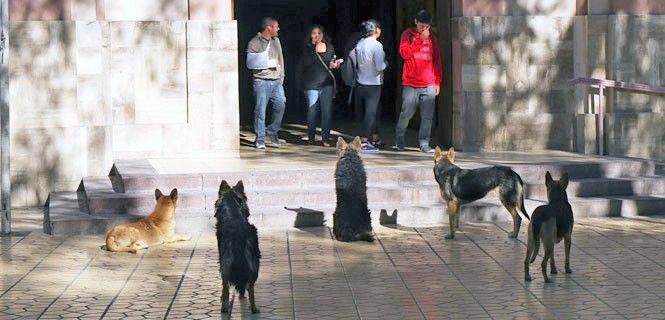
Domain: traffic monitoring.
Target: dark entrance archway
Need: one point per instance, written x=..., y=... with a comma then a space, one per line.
x=341, y=19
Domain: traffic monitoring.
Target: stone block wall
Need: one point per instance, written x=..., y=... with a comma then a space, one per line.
x=636, y=53
x=93, y=81
x=511, y=91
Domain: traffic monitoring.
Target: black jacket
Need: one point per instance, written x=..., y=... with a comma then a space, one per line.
x=312, y=74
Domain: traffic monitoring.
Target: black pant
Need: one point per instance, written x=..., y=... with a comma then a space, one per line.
x=367, y=99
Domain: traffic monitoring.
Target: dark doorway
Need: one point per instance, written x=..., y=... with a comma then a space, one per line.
x=340, y=18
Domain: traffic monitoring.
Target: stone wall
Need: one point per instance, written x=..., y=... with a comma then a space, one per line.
x=510, y=90
x=636, y=53
x=92, y=84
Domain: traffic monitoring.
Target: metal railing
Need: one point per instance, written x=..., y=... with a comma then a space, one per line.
x=601, y=84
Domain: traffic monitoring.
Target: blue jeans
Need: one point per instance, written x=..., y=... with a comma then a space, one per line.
x=319, y=99
x=268, y=91
x=412, y=98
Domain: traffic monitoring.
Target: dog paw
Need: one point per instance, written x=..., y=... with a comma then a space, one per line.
x=512, y=235
x=450, y=236
x=568, y=270
x=548, y=280
x=554, y=271
x=255, y=310
x=225, y=309
x=527, y=278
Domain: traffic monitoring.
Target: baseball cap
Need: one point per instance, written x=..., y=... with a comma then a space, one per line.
x=424, y=17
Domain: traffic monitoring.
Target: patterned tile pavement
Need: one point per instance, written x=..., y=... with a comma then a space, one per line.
x=409, y=273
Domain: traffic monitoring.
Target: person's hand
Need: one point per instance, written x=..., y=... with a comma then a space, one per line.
x=333, y=64
x=321, y=47
x=437, y=90
x=425, y=34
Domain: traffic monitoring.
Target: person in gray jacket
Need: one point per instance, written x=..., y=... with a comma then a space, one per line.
x=266, y=61
x=370, y=59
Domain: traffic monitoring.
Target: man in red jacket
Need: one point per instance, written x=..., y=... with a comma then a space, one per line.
x=421, y=80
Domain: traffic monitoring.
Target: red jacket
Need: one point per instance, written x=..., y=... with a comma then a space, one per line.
x=422, y=61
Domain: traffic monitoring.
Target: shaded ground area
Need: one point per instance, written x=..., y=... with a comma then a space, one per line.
x=409, y=273
x=296, y=153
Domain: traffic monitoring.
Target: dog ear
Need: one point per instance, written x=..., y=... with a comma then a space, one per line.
x=239, y=188
x=451, y=155
x=223, y=187
x=438, y=155
x=158, y=194
x=563, y=182
x=355, y=144
x=341, y=145
x=548, y=179
x=174, y=194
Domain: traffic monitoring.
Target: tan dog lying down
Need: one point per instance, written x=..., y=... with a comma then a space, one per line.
x=157, y=228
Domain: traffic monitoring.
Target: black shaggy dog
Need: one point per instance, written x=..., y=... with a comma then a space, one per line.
x=237, y=242
x=351, y=220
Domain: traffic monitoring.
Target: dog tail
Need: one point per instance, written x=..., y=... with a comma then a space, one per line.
x=520, y=197
x=112, y=246
x=535, y=232
x=365, y=236
x=536, y=245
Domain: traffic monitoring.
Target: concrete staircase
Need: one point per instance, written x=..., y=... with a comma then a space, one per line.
x=599, y=187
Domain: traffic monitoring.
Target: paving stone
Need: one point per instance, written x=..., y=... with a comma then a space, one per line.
x=408, y=272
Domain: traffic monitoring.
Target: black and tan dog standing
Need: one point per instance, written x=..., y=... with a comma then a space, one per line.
x=237, y=242
x=459, y=186
x=550, y=223
x=351, y=219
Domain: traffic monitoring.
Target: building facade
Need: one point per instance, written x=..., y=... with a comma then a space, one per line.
x=92, y=81
x=96, y=80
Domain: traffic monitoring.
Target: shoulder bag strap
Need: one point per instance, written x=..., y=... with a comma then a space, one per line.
x=327, y=69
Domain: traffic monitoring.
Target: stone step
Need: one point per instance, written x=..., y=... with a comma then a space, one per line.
x=604, y=168
x=607, y=187
x=619, y=206
x=409, y=214
x=660, y=168
x=259, y=197
x=202, y=201
x=141, y=203
x=293, y=178
x=75, y=223
x=65, y=202
x=297, y=178
x=602, y=187
x=417, y=214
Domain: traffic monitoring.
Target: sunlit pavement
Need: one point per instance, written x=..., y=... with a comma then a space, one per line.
x=409, y=273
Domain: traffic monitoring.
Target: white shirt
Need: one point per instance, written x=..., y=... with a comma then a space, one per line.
x=371, y=61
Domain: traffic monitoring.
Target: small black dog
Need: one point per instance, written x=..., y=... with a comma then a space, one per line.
x=237, y=242
x=550, y=224
x=351, y=220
